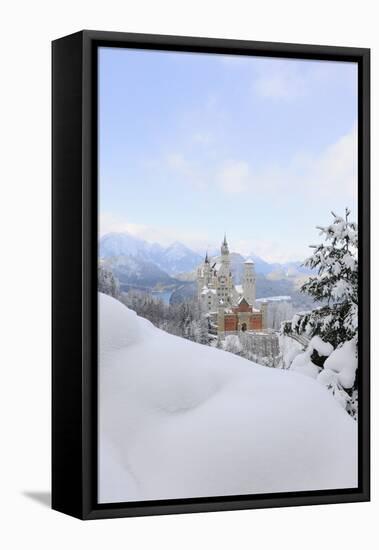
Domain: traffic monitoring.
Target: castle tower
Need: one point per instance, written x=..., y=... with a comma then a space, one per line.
x=203, y=275
x=224, y=275
x=206, y=269
x=225, y=252
x=225, y=259
x=248, y=282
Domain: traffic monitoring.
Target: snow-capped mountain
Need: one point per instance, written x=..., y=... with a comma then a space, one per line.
x=174, y=259
x=135, y=270
x=178, y=258
x=122, y=244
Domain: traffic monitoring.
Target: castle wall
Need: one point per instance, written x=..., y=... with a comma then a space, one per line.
x=256, y=322
x=230, y=323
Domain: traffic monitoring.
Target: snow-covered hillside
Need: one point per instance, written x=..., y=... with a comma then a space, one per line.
x=178, y=419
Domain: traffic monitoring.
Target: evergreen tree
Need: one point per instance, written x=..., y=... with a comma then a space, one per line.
x=335, y=284
x=107, y=282
x=203, y=331
x=335, y=287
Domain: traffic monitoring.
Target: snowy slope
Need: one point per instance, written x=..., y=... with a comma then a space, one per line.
x=178, y=419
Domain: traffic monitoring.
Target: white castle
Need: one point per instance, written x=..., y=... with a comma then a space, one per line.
x=215, y=282
x=230, y=307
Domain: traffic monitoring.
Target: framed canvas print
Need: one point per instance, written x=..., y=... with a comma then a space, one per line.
x=210, y=274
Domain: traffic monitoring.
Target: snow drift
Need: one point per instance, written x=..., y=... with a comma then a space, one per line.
x=179, y=419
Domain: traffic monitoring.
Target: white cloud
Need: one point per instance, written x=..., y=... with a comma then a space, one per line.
x=108, y=223
x=331, y=172
x=281, y=82
x=337, y=168
x=280, y=86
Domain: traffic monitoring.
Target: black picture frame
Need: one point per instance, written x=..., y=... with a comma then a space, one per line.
x=74, y=313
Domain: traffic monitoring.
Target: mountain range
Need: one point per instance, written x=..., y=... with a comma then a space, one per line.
x=178, y=258
x=174, y=259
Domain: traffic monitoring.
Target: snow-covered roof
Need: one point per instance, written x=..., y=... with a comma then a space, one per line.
x=249, y=261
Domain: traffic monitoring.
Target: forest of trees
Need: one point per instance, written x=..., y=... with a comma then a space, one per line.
x=183, y=319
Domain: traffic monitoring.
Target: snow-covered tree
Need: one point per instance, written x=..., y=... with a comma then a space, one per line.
x=203, y=328
x=336, y=283
x=232, y=344
x=107, y=282
x=335, y=321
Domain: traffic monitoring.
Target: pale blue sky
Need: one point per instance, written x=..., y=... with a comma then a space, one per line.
x=192, y=145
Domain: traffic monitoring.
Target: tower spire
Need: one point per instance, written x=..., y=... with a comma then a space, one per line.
x=206, y=258
x=224, y=247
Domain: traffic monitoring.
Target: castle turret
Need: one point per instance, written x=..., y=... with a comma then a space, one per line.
x=225, y=259
x=248, y=282
x=206, y=269
x=203, y=275
x=224, y=275
x=224, y=249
